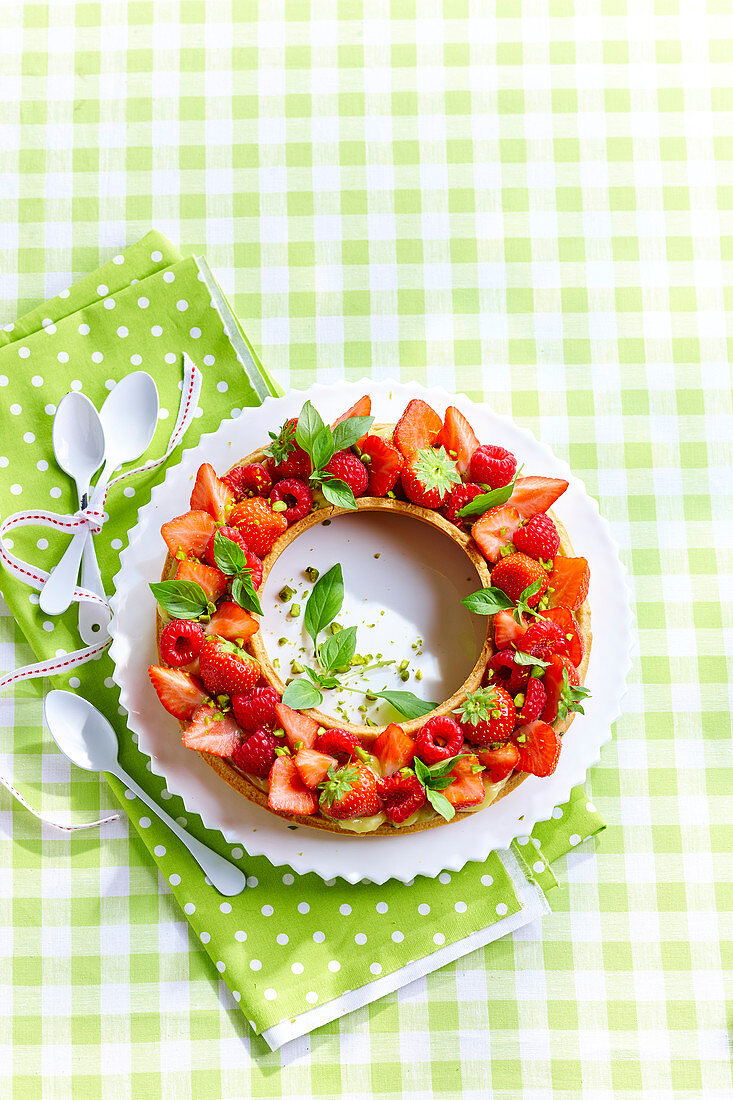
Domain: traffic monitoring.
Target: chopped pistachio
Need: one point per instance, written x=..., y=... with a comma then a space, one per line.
x=418, y=674
x=181, y=555
x=335, y=628
x=537, y=671
x=296, y=667
x=404, y=676
x=286, y=593
x=298, y=744
x=377, y=555
x=312, y=573
x=279, y=506
x=519, y=701
x=403, y=665
x=282, y=750
x=282, y=641
x=278, y=733
x=294, y=610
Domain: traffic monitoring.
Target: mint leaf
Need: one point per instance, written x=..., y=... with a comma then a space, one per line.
x=243, y=593
x=487, y=601
x=324, y=602
x=338, y=649
x=229, y=556
x=302, y=694
x=349, y=431
x=309, y=426
x=440, y=804
x=522, y=658
x=339, y=493
x=406, y=703
x=482, y=503
x=181, y=599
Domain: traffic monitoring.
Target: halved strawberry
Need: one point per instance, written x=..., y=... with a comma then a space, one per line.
x=179, y=692
x=417, y=428
x=507, y=631
x=394, y=749
x=211, y=494
x=569, y=582
x=536, y=494
x=495, y=529
x=212, y=731
x=539, y=748
x=362, y=407
x=563, y=690
x=313, y=765
x=233, y=622
x=288, y=793
x=467, y=787
x=298, y=727
x=383, y=461
x=211, y=580
x=188, y=533
x=564, y=618
x=458, y=438
x=499, y=761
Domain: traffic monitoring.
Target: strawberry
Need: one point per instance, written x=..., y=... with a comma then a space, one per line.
x=226, y=668
x=179, y=692
x=458, y=438
x=350, y=791
x=564, y=618
x=493, y=466
x=542, y=638
x=342, y=744
x=231, y=533
x=539, y=748
x=256, y=708
x=286, y=458
x=393, y=749
x=569, y=582
x=288, y=793
x=467, y=788
x=347, y=467
x=298, y=727
x=507, y=631
x=494, y=530
x=260, y=526
x=313, y=766
x=515, y=573
x=295, y=496
x=535, y=698
x=564, y=693
x=251, y=480
x=210, y=494
x=487, y=715
x=212, y=731
x=536, y=494
x=232, y=622
x=439, y=739
x=383, y=463
x=211, y=580
x=362, y=407
x=539, y=539
x=499, y=761
x=402, y=795
x=427, y=477
x=181, y=641
x=417, y=428
x=256, y=754
x=188, y=534
x=459, y=497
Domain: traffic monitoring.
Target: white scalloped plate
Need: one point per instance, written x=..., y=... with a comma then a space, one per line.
x=375, y=859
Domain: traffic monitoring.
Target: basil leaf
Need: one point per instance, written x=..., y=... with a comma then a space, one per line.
x=441, y=769
x=339, y=493
x=319, y=679
x=441, y=804
x=522, y=658
x=529, y=591
x=228, y=555
x=181, y=599
x=243, y=592
x=487, y=601
x=348, y=431
x=309, y=425
x=440, y=782
x=338, y=649
x=482, y=503
x=302, y=694
x=324, y=602
x=322, y=448
x=421, y=770
x=406, y=703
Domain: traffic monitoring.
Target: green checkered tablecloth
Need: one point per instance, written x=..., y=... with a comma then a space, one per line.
x=530, y=203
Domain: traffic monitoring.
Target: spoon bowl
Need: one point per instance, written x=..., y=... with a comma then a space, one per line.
x=78, y=437
x=130, y=416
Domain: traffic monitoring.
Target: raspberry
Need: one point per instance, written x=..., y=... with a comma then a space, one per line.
x=181, y=642
x=539, y=539
x=519, y=679
x=535, y=699
x=542, y=639
x=293, y=489
x=439, y=739
x=257, y=753
x=402, y=795
x=459, y=497
x=232, y=533
x=256, y=709
x=251, y=480
x=493, y=466
x=503, y=670
x=339, y=743
x=348, y=468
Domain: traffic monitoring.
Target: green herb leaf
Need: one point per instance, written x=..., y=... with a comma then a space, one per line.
x=243, y=592
x=493, y=499
x=324, y=602
x=302, y=694
x=322, y=448
x=339, y=493
x=487, y=601
x=440, y=804
x=406, y=703
x=338, y=649
x=521, y=658
x=228, y=555
x=309, y=426
x=528, y=592
x=181, y=599
x=348, y=431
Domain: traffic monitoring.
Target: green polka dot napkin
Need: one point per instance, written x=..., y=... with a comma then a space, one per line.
x=294, y=951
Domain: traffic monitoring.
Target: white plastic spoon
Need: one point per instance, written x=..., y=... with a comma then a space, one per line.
x=86, y=737
x=129, y=417
x=79, y=446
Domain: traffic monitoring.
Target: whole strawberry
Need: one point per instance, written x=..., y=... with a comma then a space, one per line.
x=350, y=791
x=226, y=669
x=252, y=480
x=286, y=458
x=487, y=716
x=257, y=753
x=458, y=498
x=347, y=467
x=256, y=708
x=516, y=572
x=493, y=466
x=428, y=476
x=539, y=539
x=260, y=526
x=402, y=795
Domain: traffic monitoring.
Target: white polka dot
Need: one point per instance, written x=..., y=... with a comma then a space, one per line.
x=50, y=328
x=522, y=840
x=382, y=907
x=34, y=599
x=29, y=437
x=282, y=939
x=574, y=839
x=255, y=964
x=319, y=937
x=64, y=293
x=97, y=357
x=423, y=909
x=4, y=380
x=116, y=544
x=237, y=853
x=376, y=968
x=144, y=822
x=502, y=909
x=209, y=360
x=36, y=380
x=109, y=303
x=444, y=877
x=270, y=994
x=439, y=938
x=590, y=807
x=237, y=997
x=123, y=331
x=143, y=303
x=220, y=967
x=9, y=543
x=236, y=413
x=156, y=256
x=225, y=907
x=16, y=410
x=398, y=937
x=557, y=812
x=76, y=385
x=334, y=966
x=159, y=850
x=538, y=867
x=83, y=329
x=118, y=259
x=189, y=908
x=55, y=492
x=344, y=910
x=48, y=625
x=252, y=882
x=194, y=333
x=170, y=357
x=297, y=968
x=102, y=289
x=63, y=357
x=42, y=544
x=175, y=880
x=24, y=352
x=240, y=936
x=42, y=465
x=204, y=937
x=156, y=330
x=163, y=414
x=222, y=387
x=74, y=682
x=311, y=997
x=168, y=276
x=303, y=907
x=129, y=491
x=16, y=490
x=460, y=907
x=199, y=412
x=267, y=910
x=181, y=305
x=49, y=411
x=110, y=384
x=4, y=462
x=136, y=360
x=10, y=326
x=130, y=794
x=360, y=938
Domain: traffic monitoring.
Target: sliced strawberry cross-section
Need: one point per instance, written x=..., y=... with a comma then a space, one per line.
x=232, y=622
x=495, y=530
x=211, y=494
x=212, y=731
x=300, y=730
x=532, y=495
x=458, y=438
x=188, y=534
x=417, y=428
x=467, y=788
x=569, y=581
x=362, y=407
x=211, y=580
x=394, y=749
x=288, y=793
x=313, y=766
x=179, y=692
x=539, y=748
x=383, y=462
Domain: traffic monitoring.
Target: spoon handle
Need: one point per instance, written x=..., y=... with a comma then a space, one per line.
x=224, y=876
x=58, y=590
x=93, y=619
